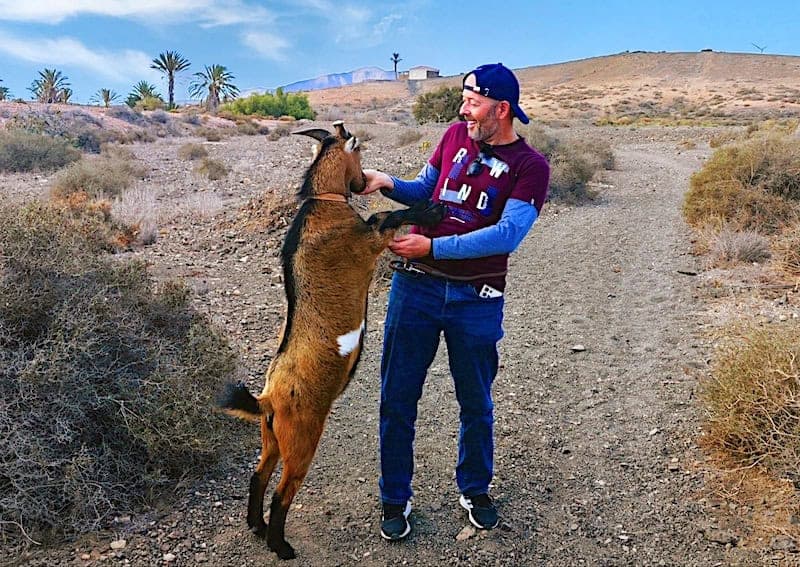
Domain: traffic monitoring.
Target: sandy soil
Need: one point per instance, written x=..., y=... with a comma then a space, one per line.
x=596, y=462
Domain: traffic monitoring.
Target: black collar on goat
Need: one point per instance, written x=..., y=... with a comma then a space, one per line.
x=329, y=255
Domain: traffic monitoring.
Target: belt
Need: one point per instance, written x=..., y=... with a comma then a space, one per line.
x=419, y=269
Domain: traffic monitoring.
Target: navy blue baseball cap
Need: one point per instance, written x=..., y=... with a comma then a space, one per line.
x=497, y=81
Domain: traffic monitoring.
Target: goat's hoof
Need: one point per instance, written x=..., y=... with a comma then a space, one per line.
x=259, y=528
x=282, y=549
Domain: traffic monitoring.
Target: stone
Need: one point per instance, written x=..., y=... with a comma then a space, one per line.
x=466, y=533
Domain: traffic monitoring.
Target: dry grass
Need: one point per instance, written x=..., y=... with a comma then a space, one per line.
x=138, y=209
x=730, y=247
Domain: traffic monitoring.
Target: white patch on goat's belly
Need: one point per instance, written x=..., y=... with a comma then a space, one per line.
x=349, y=341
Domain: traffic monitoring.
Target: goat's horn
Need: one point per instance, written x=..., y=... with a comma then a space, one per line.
x=341, y=130
x=318, y=134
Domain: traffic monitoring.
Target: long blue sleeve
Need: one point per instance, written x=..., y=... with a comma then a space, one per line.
x=500, y=238
x=419, y=189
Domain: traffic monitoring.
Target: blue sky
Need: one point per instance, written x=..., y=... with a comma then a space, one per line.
x=110, y=43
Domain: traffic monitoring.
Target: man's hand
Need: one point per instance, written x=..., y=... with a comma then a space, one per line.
x=411, y=246
x=376, y=180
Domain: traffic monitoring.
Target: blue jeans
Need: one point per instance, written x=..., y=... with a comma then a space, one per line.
x=420, y=309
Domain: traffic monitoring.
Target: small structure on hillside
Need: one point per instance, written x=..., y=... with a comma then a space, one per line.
x=422, y=72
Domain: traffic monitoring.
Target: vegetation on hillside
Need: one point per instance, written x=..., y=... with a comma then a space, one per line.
x=273, y=105
x=441, y=105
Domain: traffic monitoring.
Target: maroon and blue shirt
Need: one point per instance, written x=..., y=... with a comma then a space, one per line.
x=493, y=195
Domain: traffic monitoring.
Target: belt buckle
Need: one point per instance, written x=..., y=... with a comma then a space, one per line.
x=411, y=268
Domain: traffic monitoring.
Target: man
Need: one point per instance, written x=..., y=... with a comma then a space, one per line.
x=452, y=282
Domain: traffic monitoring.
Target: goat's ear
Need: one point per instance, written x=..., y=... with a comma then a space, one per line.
x=341, y=130
x=318, y=134
x=351, y=145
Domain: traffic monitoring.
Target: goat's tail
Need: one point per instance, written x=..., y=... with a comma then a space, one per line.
x=237, y=400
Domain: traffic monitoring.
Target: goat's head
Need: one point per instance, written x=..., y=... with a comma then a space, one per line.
x=337, y=163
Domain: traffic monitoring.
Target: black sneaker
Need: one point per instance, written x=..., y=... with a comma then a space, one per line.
x=482, y=513
x=394, y=524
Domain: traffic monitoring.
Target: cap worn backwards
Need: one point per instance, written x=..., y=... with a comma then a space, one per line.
x=497, y=81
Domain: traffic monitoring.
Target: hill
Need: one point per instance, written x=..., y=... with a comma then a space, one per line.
x=623, y=87
x=340, y=79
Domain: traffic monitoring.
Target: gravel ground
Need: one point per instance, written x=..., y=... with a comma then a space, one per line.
x=596, y=462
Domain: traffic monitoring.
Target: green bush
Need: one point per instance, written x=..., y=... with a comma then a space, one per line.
x=25, y=151
x=106, y=381
x=753, y=184
x=438, y=106
x=274, y=105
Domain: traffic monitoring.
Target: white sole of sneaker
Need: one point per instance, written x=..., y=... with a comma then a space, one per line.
x=468, y=507
x=407, y=531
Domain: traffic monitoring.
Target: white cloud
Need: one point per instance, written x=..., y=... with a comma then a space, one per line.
x=121, y=66
x=207, y=12
x=266, y=44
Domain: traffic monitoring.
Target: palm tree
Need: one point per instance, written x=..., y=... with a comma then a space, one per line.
x=104, y=97
x=4, y=92
x=395, y=59
x=170, y=63
x=141, y=91
x=64, y=95
x=47, y=88
x=212, y=84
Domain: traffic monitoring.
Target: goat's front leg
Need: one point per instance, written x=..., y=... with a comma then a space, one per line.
x=422, y=213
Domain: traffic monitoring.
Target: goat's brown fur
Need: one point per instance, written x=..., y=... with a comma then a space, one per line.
x=329, y=256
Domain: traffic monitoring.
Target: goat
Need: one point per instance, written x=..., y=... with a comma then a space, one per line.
x=329, y=256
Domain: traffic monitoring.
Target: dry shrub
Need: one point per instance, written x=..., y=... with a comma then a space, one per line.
x=753, y=399
x=787, y=250
x=213, y=169
x=247, y=128
x=106, y=382
x=278, y=132
x=573, y=163
x=25, y=151
x=730, y=247
x=104, y=176
x=754, y=184
x=190, y=151
x=210, y=134
x=139, y=210
x=363, y=135
x=408, y=137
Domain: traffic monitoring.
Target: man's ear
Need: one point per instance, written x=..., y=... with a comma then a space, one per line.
x=505, y=109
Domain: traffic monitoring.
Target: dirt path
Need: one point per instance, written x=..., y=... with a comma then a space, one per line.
x=594, y=449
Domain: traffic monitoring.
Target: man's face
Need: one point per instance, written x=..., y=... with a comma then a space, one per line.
x=480, y=112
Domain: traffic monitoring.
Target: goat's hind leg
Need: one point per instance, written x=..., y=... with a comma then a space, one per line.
x=298, y=441
x=260, y=479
